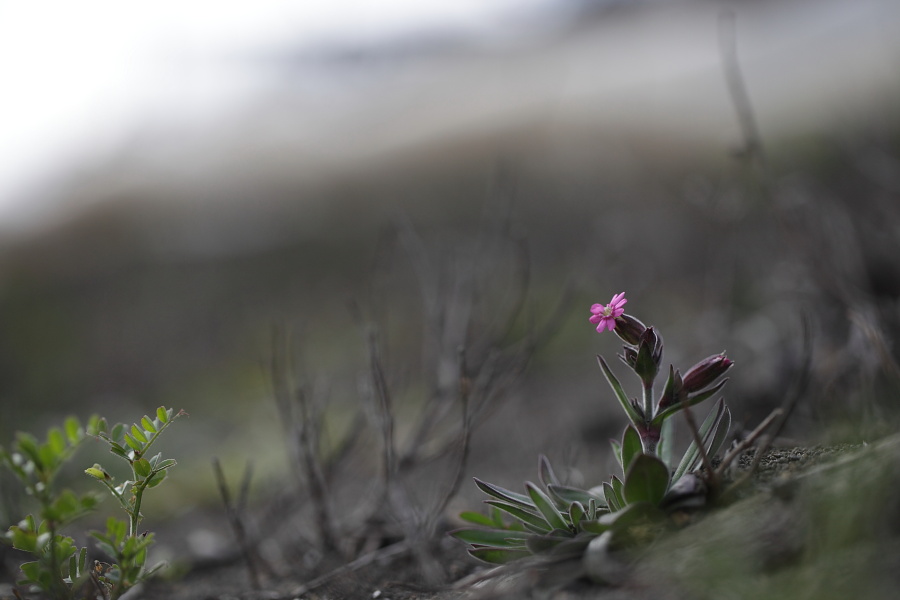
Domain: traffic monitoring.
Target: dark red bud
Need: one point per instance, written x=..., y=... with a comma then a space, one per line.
x=629, y=329
x=706, y=372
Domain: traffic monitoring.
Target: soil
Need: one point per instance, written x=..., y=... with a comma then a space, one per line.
x=822, y=519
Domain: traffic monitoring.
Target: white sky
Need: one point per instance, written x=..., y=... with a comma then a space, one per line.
x=76, y=75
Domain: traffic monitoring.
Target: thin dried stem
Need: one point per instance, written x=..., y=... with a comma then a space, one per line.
x=300, y=429
x=384, y=409
x=465, y=435
x=698, y=439
x=742, y=446
x=236, y=521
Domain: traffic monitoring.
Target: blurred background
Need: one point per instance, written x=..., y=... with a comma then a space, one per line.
x=178, y=183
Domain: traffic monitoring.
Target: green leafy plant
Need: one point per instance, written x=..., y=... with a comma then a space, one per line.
x=556, y=519
x=61, y=569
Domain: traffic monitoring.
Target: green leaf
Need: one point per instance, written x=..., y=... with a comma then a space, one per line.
x=56, y=441
x=592, y=508
x=165, y=464
x=23, y=539
x=156, y=478
x=667, y=442
x=523, y=515
x=96, y=425
x=118, y=432
x=498, y=556
x=632, y=413
x=568, y=495
x=132, y=443
x=162, y=415
x=719, y=433
x=73, y=430
x=631, y=447
x=50, y=459
x=118, y=450
x=646, y=481
x=138, y=434
x=617, y=452
x=28, y=445
x=497, y=517
x=477, y=518
x=503, y=494
x=576, y=513
x=148, y=425
x=545, y=472
x=546, y=506
x=495, y=538
x=32, y=570
x=612, y=500
x=142, y=467
x=617, y=486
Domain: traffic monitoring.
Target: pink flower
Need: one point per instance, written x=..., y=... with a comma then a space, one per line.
x=604, y=317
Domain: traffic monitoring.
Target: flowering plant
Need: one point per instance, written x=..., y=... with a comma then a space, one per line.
x=558, y=519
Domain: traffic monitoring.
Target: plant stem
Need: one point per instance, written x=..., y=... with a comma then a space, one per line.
x=648, y=401
x=648, y=443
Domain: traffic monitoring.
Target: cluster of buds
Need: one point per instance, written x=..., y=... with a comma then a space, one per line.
x=642, y=353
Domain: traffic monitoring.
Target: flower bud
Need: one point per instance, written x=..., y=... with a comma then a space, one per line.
x=629, y=329
x=97, y=472
x=706, y=372
x=649, y=354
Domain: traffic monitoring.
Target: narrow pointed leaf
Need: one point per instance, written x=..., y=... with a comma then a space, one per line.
x=567, y=495
x=619, y=392
x=495, y=538
x=73, y=430
x=631, y=447
x=545, y=472
x=719, y=433
x=666, y=446
x=612, y=500
x=138, y=434
x=498, y=556
x=576, y=513
x=617, y=452
x=527, y=517
x=477, y=518
x=546, y=506
x=503, y=494
x=617, y=486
